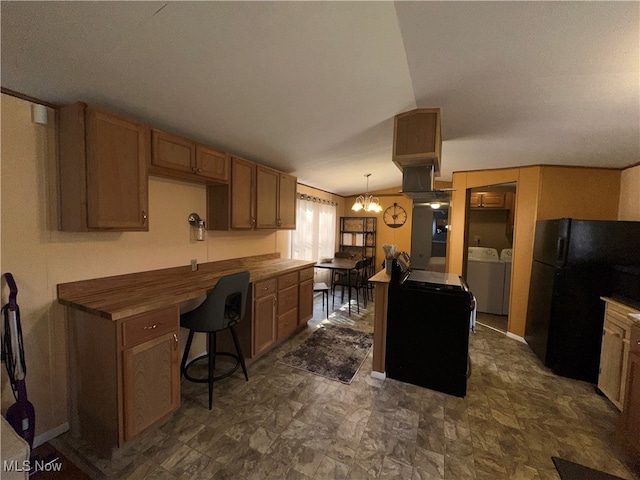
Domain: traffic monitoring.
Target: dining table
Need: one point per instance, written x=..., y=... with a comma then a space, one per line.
x=340, y=264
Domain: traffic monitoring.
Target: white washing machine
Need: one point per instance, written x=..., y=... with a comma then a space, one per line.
x=505, y=256
x=485, y=276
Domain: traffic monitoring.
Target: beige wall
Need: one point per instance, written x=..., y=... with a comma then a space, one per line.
x=385, y=235
x=39, y=256
x=542, y=192
x=629, y=208
x=491, y=227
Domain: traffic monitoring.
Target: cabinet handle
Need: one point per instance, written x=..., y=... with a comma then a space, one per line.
x=194, y=169
x=176, y=342
x=199, y=170
x=152, y=327
x=144, y=217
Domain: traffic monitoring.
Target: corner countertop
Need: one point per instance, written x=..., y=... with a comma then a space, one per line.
x=381, y=277
x=122, y=296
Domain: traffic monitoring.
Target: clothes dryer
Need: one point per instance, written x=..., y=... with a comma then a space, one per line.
x=505, y=256
x=485, y=277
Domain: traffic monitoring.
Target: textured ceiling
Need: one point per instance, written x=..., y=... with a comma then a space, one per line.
x=312, y=87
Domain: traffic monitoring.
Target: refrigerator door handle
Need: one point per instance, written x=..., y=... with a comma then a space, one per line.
x=560, y=249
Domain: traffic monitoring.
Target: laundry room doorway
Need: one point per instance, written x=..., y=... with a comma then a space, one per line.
x=488, y=249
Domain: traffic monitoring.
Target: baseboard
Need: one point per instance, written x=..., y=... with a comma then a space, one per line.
x=50, y=434
x=516, y=337
x=378, y=375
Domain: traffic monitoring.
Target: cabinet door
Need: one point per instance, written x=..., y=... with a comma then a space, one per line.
x=287, y=201
x=151, y=377
x=267, y=197
x=611, y=360
x=264, y=323
x=476, y=200
x=117, y=153
x=174, y=152
x=243, y=175
x=212, y=164
x=493, y=200
x=305, y=301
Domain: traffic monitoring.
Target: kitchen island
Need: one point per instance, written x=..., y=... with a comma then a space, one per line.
x=124, y=336
x=381, y=280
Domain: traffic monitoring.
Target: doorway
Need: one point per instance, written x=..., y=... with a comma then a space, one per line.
x=489, y=227
x=429, y=235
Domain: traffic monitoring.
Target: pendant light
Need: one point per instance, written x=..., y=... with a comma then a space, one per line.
x=367, y=202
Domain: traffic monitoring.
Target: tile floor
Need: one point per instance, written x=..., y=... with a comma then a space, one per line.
x=289, y=424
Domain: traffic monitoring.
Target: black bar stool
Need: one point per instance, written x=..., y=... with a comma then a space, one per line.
x=223, y=308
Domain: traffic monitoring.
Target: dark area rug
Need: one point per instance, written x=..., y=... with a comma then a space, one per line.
x=574, y=471
x=332, y=352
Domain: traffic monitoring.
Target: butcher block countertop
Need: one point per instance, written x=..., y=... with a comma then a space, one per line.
x=132, y=294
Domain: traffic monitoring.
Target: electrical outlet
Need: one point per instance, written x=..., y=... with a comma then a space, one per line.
x=194, y=265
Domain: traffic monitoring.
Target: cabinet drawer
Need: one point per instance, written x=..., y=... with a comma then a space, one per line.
x=306, y=274
x=287, y=323
x=635, y=339
x=150, y=325
x=265, y=287
x=287, y=280
x=287, y=299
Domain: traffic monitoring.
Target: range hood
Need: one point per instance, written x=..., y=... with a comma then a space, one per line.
x=417, y=184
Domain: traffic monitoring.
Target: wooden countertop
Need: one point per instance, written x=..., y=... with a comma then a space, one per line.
x=381, y=277
x=125, y=295
x=623, y=302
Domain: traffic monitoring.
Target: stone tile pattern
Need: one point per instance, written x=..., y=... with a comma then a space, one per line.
x=289, y=424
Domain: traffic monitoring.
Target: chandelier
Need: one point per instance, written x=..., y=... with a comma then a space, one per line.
x=367, y=202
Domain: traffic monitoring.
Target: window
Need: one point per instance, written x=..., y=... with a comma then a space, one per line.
x=315, y=234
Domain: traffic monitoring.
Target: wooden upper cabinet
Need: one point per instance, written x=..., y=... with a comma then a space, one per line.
x=103, y=160
x=287, y=201
x=243, y=196
x=267, y=193
x=257, y=197
x=488, y=200
x=276, y=195
x=179, y=157
x=173, y=152
x=212, y=164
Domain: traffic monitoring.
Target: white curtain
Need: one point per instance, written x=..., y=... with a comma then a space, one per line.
x=315, y=235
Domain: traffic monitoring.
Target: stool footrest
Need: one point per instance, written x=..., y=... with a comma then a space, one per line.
x=206, y=356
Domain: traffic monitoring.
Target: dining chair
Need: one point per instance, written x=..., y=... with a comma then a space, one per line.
x=352, y=280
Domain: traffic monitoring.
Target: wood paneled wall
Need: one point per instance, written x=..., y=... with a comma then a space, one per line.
x=542, y=192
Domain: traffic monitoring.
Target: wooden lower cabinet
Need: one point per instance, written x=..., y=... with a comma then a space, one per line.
x=280, y=305
x=630, y=421
x=614, y=353
x=124, y=374
x=305, y=299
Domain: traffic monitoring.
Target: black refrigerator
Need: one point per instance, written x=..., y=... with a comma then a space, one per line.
x=572, y=268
